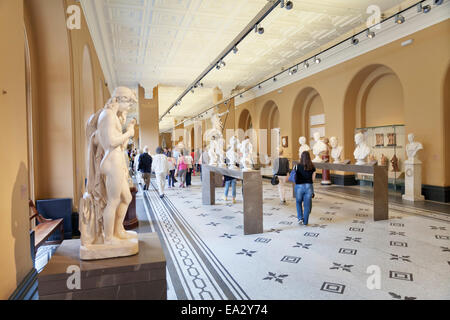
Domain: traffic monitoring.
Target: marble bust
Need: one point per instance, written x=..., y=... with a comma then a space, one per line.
x=362, y=149
x=318, y=148
x=107, y=197
x=303, y=146
x=232, y=155
x=246, y=149
x=213, y=157
x=336, y=150
x=412, y=148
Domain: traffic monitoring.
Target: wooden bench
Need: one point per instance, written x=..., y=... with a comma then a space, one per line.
x=45, y=228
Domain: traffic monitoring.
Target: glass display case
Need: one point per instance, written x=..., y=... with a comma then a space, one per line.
x=387, y=145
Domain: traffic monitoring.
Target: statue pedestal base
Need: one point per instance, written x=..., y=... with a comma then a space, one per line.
x=124, y=248
x=413, y=181
x=140, y=277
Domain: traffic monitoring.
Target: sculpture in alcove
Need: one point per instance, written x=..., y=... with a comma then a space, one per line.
x=106, y=200
x=395, y=164
x=319, y=147
x=362, y=149
x=303, y=146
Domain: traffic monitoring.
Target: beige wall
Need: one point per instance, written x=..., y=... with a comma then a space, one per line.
x=421, y=70
x=14, y=223
x=149, y=120
x=65, y=85
x=68, y=86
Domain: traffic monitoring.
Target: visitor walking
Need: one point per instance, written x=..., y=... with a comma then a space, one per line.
x=145, y=167
x=230, y=181
x=172, y=166
x=190, y=168
x=304, y=188
x=181, y=169
x=281, y=170
x=161, y=168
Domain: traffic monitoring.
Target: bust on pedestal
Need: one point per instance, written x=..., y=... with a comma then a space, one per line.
x=336, y=150
x=318, y=148
x=362, y=150
x=413, y=171
x=246, y=149
x=303, y=147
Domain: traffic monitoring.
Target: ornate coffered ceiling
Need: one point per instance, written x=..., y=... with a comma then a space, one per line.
x=170, y=42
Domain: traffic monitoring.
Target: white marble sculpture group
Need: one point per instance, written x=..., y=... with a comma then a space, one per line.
x=107, y=197
x=241, y=153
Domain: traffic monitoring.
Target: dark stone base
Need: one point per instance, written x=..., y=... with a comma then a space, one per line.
x=435, y=193
x=343, y=180
x=139, y=277
x=27, y=288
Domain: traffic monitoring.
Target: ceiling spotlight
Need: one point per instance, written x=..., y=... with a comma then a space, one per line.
x=260, y=87
x=438, y=2
x=259, y=29
x=317, y=60
x=399, y=19
x=222, y=63
x=274, y=79
x=218, y=67
x=289, y=5
x=293, y=71
x=306, y=65
x=355, y=41
x=370, y=34
x=235, y=50
x=241, y=96
x=426, y=8
x=192, y=90
x=201, y=85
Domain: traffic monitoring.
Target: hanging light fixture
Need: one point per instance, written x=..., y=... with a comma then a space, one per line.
x=306, y=65
x=317, y=60
x=235, y=50
x=399, y=19
x=370, y=34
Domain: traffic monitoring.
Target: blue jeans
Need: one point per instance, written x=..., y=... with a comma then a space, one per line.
x=233, y=188
x=303, y=195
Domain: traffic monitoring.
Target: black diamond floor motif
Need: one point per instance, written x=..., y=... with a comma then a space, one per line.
x=290, y=259
x=311, y=234
x=348, y=251
x=397, y=257
x=357, y=229
x=401, y=275
x=263, y=240
x=398, y=244
x=440, y=237
x=333, y=287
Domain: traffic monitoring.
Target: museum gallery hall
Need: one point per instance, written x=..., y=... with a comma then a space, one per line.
x=228, y=150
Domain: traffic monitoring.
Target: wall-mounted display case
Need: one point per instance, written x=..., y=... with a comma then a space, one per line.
x=388, y=148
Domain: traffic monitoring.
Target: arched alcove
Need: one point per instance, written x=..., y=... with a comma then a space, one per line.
x=86, y=110
x=270, y=121
x=373, y=98
x=308, y=104
x=245, y=122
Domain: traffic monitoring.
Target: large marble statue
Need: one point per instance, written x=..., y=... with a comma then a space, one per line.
x=303, y=146
x=217, y=145
x=106, y=200
x=412, y=148
x=336, y=150
x=212, y=155
x=232, y=154
x=362, y=150
x=318, y=148
x=246, y=149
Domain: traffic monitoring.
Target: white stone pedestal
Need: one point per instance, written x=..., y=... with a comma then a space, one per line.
x=413, y=181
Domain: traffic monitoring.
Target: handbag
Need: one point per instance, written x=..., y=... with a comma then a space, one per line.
x=293, y=175
x=275, y=181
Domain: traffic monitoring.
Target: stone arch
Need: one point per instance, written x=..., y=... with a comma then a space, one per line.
x=245, y=121
x=373, y=98
x=269, y=124
x=308, y=100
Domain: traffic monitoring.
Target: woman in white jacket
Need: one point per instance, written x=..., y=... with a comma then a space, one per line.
x=161, y=167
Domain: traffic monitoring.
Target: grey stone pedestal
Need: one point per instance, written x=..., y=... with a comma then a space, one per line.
x=139, y=277
x=252, y=194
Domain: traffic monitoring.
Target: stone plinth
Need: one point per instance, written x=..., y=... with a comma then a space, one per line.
x=413, y=181
x=139, y=277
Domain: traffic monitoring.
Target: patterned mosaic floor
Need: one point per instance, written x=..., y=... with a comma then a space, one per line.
x=210, y=258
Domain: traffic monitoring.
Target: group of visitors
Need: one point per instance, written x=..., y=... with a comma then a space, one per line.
x=168, y=165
